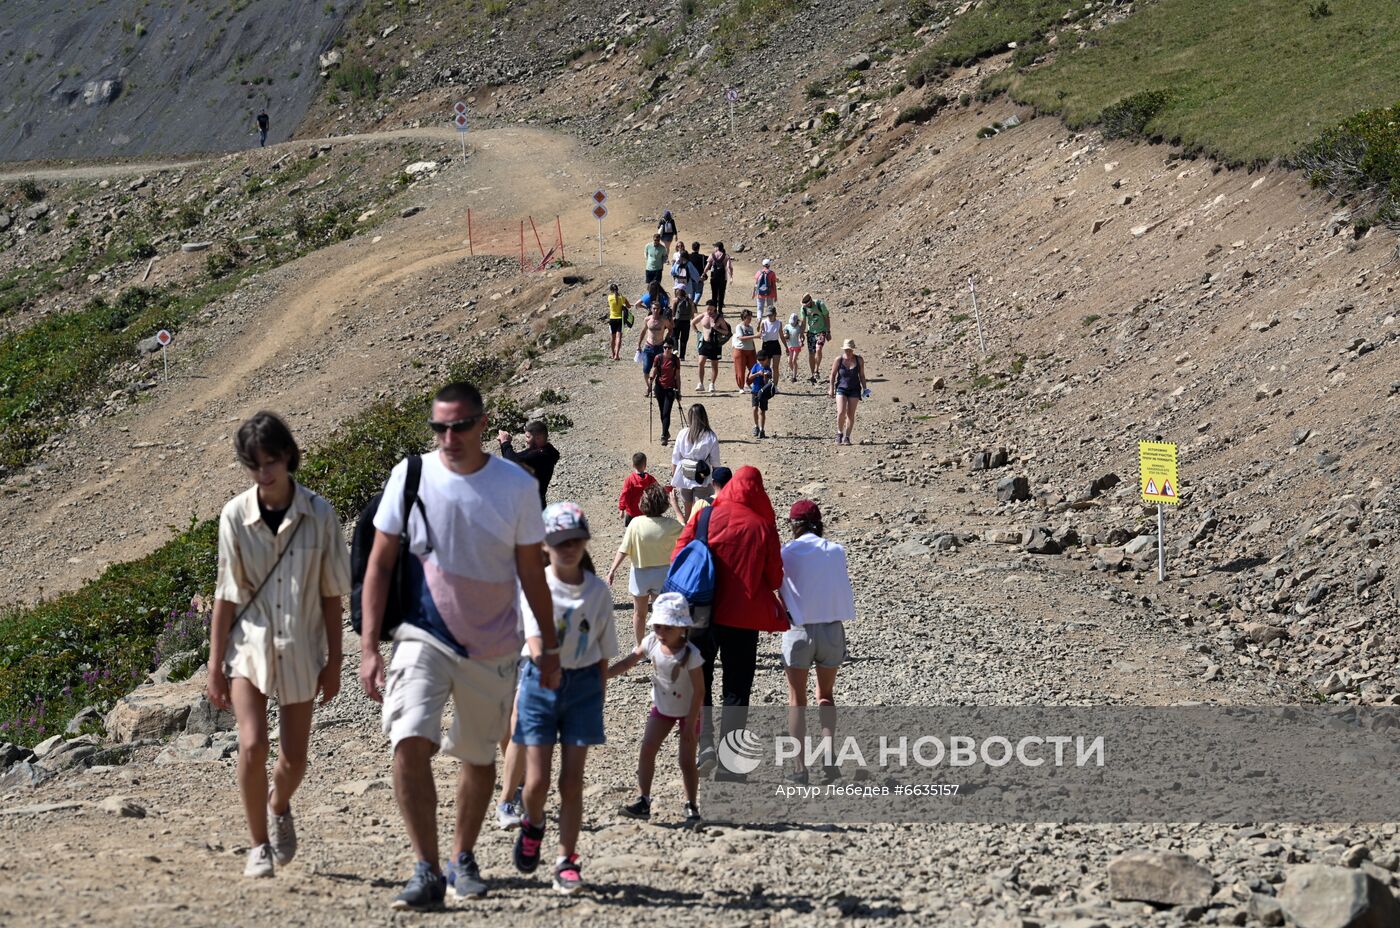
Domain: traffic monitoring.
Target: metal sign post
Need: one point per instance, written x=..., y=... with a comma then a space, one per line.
x=1158, y=480
x=977, y=314
x=164, y=338
x=600, y=212
x=460, y=121
x=732, y=95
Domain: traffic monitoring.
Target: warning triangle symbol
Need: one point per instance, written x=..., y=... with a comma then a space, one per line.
x=1167, y=489
x=1151, y=489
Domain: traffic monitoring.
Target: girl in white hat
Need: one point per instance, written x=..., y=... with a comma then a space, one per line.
x=677, y=690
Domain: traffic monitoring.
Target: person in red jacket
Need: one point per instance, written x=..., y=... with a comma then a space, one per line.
x=748, y=562
x=629, y=501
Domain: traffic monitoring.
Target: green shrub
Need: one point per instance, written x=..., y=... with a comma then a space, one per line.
x=829, y=121
x=921, y=112
x=30, y=190
x=1359, y=158
x=357, y=78
x=1128, y=118
x=816, y=90
x=189, y=216
x=655, y=48
x=985, y=31
x=1319, y=10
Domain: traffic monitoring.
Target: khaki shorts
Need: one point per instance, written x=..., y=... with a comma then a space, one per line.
x=823, y=644
x=420, y=678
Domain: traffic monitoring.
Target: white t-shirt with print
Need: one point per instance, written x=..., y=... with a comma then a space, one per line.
x=770, y=330
x=583, y=621
x=671, y=689
x=464, y=592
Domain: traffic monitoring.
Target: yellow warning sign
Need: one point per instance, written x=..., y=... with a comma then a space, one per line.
x=1157, y=466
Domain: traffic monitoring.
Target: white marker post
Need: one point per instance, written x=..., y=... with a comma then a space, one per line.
x=600, y=212
x=732, y=95
x=164, y=338
x=1161, y=544
x=977, y=314
x=460, y=121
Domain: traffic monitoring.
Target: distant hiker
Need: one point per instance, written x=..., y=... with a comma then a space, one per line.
x=792, y=339
x=712, y=330
x=629, y=500
x=538, y=456
x=765, y=288
x=647, y=543
x=694, y=457
x=459, y=635
x=697, y=273
x=847, y=385
x=761, y=388
x=618, y=311
x=677, y=694
x=680, y=270
x=666, y=229
x=816, y=324
x=263, y=123
x=719, y=269
x=743, y=542
x=571, y=714
x=770, y=342
x=819, y=600
x=745, y=348
x=282, y=570
x=683, y=312
x=666, y=385
x=656, y=259
x=656, y=328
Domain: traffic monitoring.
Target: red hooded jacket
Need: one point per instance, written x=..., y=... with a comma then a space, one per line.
x=748, y=559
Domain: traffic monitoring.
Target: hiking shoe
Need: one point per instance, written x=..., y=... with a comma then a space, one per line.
x=568, y=875
x=706, y=760
x=799, y=777
x=507, y=815
x=425, y=890
x=527, y=846
x=762, y=433
x=838, y=439
x=464, y=878
x=692, y=815
x=700, y=387
x=712, y=386
x=640, y=809
x=755, y=431
x=282, y=836
x=831, y=773
x=259, y=862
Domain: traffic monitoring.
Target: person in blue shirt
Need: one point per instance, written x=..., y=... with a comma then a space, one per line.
x=760, y=383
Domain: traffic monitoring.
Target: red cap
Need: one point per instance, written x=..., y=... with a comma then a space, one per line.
x=804, y=510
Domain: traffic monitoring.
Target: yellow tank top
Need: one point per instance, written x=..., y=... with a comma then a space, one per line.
x=616, y=303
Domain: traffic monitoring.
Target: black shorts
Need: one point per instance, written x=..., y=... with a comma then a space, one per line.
x=770, y=350
x=708, y=352
x=615, y=326
x=760, y=400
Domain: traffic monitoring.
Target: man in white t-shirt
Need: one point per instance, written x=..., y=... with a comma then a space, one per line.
x=477, y=535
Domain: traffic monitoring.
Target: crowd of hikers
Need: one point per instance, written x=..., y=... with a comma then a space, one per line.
x=488, y=594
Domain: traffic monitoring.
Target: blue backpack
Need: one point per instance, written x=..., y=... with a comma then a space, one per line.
x=692, y=572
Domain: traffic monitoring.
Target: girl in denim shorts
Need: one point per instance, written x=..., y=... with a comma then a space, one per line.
x=572, y=715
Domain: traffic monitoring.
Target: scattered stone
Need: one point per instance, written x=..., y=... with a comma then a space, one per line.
x=1161, y=877
x=87, y=715
x=42, y=808
x=1319, y=896
x=420, y=167
x=13, y=754
x=189, y=247
x=24, y=773
x=360, y=787
x=204, y=719
x=1013, y=489
x=1042, y=542
x=910, y=547
x=1265, y=910
x=856, y=63
x=122, y=807
x=1142, y=544
x=410, y=211
x=1004, y=536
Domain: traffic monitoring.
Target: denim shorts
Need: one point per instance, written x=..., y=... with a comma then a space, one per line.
x=572, y=714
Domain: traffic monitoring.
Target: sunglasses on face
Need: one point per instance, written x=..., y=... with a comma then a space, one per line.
x=461, y=425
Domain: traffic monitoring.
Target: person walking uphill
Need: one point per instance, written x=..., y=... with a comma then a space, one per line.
x=283, y=568
x=666, y=229
x=538, y=456
x=263, y=123
x=473, y=542
x=765, y=288
x=743, y=543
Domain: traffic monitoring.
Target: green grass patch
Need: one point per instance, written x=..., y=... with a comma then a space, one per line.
x=1248, y=81
x=358, y=78
x=985, y=31
x=748, y=25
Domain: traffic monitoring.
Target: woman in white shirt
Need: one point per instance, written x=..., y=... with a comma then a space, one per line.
x=697, y=444
x=819, y=600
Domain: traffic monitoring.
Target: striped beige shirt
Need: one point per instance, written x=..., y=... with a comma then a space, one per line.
x=279, y=643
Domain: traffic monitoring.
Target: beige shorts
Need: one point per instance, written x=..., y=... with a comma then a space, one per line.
x=420, y=678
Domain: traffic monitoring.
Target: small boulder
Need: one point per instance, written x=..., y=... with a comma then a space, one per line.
x=1262, y=632
x=330, y=59
x=204, y=719
x=1103, y=484
x=1319, y=896
x=24, y=773
x=1013, y=489
x=13, y=754
x=1161, y=877
x=191, y=247
x=857, y=63
x=85, y=716
x=152, y=711
x=37, y=211
x=122, y=807
x=1142, y=544
x=148, y=345
x=1042, y=542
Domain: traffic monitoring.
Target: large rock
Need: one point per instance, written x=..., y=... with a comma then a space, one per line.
x=5, y=221
x=1161, y=877
x=204, y=719
x=1319, y=896
x=1013, y=490
x=1102, y=485
x=1042, y=542
x=13, y=754
x=24, y=773
x=1143, y=544
x=152, y=711
x=37, y=211
x=78, y=752
x=101, y=92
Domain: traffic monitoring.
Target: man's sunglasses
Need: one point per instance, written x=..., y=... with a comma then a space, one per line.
x=461, y=425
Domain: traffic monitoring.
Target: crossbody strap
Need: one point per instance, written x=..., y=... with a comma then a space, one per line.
x=252, y=599
x=702, y=525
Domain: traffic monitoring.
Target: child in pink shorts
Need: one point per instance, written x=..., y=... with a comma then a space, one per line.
x=677, y=691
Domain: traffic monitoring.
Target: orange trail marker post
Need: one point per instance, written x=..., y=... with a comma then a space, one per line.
x=164, y=338
x=1159, y=482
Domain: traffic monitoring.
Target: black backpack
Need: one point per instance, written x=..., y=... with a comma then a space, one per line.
x=396, y=605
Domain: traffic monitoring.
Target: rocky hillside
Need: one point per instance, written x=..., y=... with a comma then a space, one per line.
x=132, y=77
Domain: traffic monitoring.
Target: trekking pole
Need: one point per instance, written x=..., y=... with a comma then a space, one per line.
x=648, y=417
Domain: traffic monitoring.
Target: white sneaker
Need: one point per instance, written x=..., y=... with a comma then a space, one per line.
x=712, y=386
x=281, y=836
x=700, y=387
x=259, y=861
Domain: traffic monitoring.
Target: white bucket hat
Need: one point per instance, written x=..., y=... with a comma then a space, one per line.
x=670, y=609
